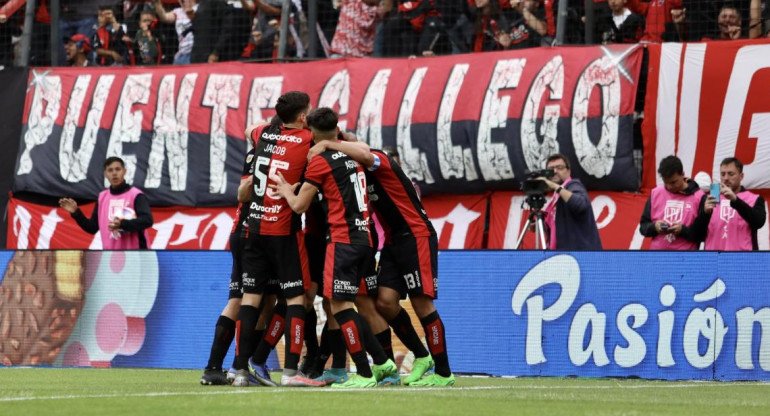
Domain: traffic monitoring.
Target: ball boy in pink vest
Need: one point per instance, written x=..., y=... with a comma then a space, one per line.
x=731, y=223
x=121, y=214
x=672, y=209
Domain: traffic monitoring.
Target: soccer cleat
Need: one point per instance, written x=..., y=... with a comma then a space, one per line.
x=241, y=379
x=259, y=372
x=393, y=380
x=231, y=375
x=299, y=380
x=333, y=376
x=357, y=382
x=435, y=380
x=386, y=369
x=420, y=366
x=213, y=377
x=307, y=367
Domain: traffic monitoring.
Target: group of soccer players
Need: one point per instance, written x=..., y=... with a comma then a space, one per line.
x=299, y=165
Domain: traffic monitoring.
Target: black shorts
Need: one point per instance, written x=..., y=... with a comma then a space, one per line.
x=410, y=266
x=236, y=249
x=368, y=285
x=316, y=255
x=343, y=269
x=284, y=257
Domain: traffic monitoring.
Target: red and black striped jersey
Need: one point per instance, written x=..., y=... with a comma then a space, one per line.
x=243, y=209
x=276, y=149
x=395, y=201
x=342, y=184
x=315, y=220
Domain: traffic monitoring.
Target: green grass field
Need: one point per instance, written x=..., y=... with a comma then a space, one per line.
x=29, y=391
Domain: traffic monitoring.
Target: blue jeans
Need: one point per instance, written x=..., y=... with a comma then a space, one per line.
x=182, y=59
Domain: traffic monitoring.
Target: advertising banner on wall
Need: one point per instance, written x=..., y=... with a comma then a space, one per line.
x=661, y=315
x=459, y=222
x=462, y=124
x=705, y=102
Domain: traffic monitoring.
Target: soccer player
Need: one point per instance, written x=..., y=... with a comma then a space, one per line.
x=342, y=184
x=408, y=263
x=274, y=244
x=121, y=214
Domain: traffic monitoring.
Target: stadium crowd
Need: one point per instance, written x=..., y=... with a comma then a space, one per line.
x=154, y=32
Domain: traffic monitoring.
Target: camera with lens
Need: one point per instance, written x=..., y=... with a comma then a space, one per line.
x=533, y=186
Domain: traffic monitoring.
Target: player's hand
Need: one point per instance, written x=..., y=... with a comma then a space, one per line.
x=114, y=225
x=316, y=150
x=281, y=186
x=728, y=193
x=708, y=206
x=213, y=58
x=68, y=204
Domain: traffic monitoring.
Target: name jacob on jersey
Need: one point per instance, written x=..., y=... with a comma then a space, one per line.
x=275, y=149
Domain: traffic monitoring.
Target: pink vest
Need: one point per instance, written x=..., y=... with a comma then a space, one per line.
x=728, y=231
x=111, y=206
x=673, y=208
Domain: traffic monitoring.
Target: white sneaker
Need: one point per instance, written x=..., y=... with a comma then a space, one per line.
x=241, y=379
x=298, y=380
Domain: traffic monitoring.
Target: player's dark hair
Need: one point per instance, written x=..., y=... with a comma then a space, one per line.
x=291, y=105
x=112, y=159
x=323, y=119
x=670, y=166
x=733, y=160
x=558, y=156
x=275, y=121
x=104, y=7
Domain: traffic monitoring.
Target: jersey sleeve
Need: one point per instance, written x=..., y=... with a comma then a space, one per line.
x=248, y=165
x=381, y=160
x=317, y=169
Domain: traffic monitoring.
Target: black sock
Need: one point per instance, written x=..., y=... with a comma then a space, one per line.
x=223, y=337
x=434, y=334
x=271, y=334
x=373, y=346
x=295, y=334
x=248, y=316
x=237, y=342
x=311, y=337
x=324, y=350
x=402, y=326
x=258, y=334
x=350, y=325
x=338, y=349
x=384, y=339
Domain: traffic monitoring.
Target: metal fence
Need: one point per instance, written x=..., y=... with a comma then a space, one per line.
x=152, y=32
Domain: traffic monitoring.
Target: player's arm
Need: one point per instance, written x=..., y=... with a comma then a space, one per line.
x=358, y=151
x=251, y=128
x=244, y=189
x=299, y=203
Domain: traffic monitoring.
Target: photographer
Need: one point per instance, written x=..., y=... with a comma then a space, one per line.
x=672, y=209
x=569, y=218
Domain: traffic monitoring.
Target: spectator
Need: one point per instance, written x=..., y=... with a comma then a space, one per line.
x=489, y=26
x=9, y=27
x=355, y=31
x=569, y=218
x=723, y=229
x=183, y=25
x=146, y=40
x=622, y=26
x=77, y=17
x=77, y=48
x=112, y=45
x=121, y=214
x=210, y=23
x=672, y=209
x=401, y=31
x=664, y=19
x=755, y=19
x=528, y=28
x=729, y=23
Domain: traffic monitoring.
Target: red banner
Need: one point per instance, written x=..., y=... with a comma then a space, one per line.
x=459, y=220
x=705, y=102
x=462, y=123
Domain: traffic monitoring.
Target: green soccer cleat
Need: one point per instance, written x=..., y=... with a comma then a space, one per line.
x=357, y=382
x=419, y=368
x=387, y=369
x=435, y=380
